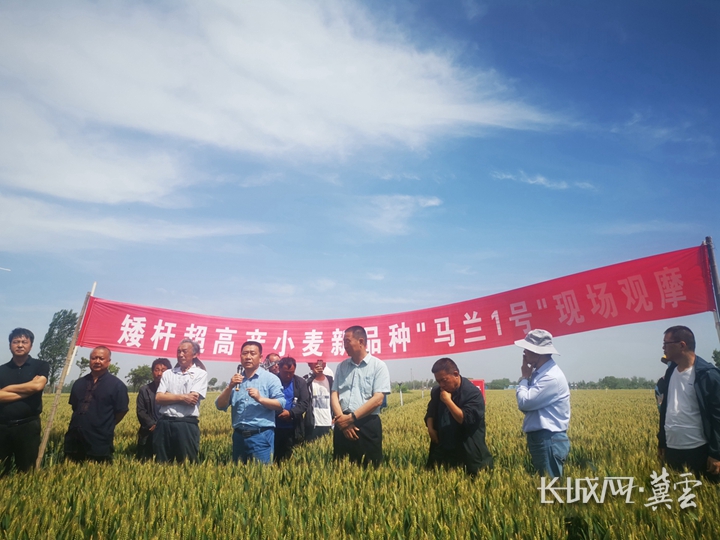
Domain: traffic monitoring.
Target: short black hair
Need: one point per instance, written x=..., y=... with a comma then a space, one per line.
x=161, y=362
x=445, y=364
x=358, y=332
x=288, y=360
x=682, y=333
x=22, y=332
x=257, y=344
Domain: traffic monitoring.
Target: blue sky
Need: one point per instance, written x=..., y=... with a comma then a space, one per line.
x=314, y=160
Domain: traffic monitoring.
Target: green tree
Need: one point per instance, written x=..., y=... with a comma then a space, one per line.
x=139, y=376
x=716, y=357
x=83, y=364
x=498, y=384
x=55, y=344
x=212, y=382
x=114, y=369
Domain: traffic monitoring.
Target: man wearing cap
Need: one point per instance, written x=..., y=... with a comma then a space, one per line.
x=543, y=395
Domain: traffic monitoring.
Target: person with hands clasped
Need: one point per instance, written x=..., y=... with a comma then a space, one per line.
x=359, y=387
x=253, y=395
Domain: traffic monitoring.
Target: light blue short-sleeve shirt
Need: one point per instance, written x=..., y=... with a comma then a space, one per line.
x=356, y=383
x=248, y=413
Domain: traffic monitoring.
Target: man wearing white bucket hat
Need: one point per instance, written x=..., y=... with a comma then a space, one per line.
x=543, y=396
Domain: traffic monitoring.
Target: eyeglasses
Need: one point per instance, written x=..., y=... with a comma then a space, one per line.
x=669, y=342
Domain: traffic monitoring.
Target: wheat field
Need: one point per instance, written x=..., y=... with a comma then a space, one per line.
x=612, y=435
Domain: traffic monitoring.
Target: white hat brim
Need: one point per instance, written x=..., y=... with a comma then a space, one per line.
x=547, y=349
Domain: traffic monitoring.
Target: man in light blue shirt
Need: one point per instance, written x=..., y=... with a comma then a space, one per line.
x=543, y=395
x=359, y=387
x=254, y=395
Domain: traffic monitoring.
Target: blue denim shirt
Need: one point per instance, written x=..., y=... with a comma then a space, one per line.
x=248, y=413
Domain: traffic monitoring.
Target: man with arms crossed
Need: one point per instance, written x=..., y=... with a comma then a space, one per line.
x=360, y=385
x=689, y=433
x=254, y=395
x=22, y=381
x=177, y=432
x=543, y=395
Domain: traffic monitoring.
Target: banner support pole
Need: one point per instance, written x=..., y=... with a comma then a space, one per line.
x=715, y=280
x=72, y=351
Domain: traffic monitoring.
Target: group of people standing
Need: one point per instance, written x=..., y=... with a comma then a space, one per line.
x=273, y=410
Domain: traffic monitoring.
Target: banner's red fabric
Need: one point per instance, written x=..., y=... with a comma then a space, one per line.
x=659, y=287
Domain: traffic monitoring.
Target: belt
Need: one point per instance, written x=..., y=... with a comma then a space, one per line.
x=10, y=423
x=246, y=433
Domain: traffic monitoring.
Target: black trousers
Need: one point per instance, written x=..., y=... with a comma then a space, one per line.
x=695, y=459
x=284, y=444
x=367, y=449
x=20, y=442
x=144, y=450
x=76, y=448
x=176, y=439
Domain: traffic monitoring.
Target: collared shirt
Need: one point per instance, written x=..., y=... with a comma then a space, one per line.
x=248, y=413
x=545, y=399
x=11, y=373
x=356, y=383
x=94, y=406
x=176, y=382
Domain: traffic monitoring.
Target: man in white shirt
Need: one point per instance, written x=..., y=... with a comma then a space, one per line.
x=689, y=433
x=177, y=432
x=543, y=395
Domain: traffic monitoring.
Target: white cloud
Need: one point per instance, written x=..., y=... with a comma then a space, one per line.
x=391, y=214
x=66, y=162
x=31, y=225
x=310, y=80
x=539, y=180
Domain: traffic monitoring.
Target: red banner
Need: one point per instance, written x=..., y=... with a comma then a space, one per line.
x=659, y=287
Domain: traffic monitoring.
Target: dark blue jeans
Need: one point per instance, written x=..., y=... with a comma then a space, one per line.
x=548, y=450
x=259, y=446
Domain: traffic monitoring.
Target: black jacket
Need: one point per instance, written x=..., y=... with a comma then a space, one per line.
x=460, y=443
x=707, y=390
x=301, y=408
x=310, y=418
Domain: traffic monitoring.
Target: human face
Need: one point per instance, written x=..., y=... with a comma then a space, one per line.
x=448, y=381
x=250, y=357
x=185, y=355
x=20, y=346
x=318, y=367
x=287, y=372
x=672, y=347
x=353, y=347
x=532, y=358
x=99, y=361
x=157, y=371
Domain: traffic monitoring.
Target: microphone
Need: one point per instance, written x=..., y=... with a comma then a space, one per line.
x=241, y=371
